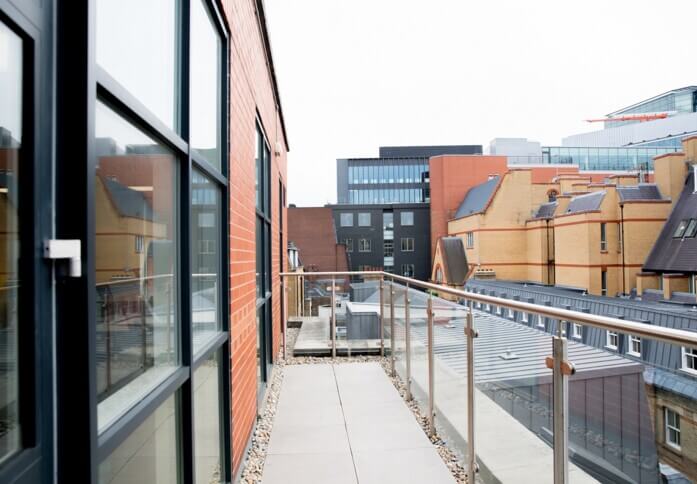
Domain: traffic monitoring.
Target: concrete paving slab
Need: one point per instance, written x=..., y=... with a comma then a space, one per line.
x=287, y=438
x=403, y=466
x=309, y=469
x=395, y=434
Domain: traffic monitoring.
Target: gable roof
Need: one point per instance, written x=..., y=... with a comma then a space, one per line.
x=477, y=197
x=639, y=192
x=454, y=260
x=546, y=210
x=679, y=254
x=586, y=202
x=128, y=202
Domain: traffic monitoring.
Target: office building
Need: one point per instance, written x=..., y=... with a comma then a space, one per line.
x=142, y=193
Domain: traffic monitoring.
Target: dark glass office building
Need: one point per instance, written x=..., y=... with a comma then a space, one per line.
x=383, y=209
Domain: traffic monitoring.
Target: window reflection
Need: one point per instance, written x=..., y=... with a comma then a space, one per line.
x=205, y=259
x=150, y=455
x=207, y=444
x=10, y=142
x=137, y=340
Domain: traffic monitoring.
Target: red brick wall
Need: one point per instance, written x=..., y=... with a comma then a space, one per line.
x=312, y=230
x=251, y=98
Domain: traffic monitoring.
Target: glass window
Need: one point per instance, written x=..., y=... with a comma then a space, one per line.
x=137, y=45
x=364, y=219
x=388, y=246
x=207, y=423
x=407, y=244
x=406, y=218
x=349, y=245
x=388, y=220
x=603, y=236
x=408, y=270
x=136, y=312
x=612, y=340
x=346, y=219
x=680, y=230
x=576, y=330
x=672, y=428
x=364, y=245
x=689, y=359
x=470, y=240
x=150, y=454
x=205, y=263
x=205, y=89
x=691, y=229
x=11, y=55
x=634, y=346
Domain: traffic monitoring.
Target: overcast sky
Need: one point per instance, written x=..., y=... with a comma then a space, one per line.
x=358, y=74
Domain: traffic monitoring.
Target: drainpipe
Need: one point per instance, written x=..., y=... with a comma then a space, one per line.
x=624, y=288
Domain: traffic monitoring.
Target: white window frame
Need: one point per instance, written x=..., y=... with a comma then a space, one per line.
x=139, y=244
x=470, y=240
x=631, y=340
x=407, y=241
x=498, y=310
x=363, y=243
x=667, y=426
x=576, y=331
x=346, y=216
x=540, y=322
x=688, y=354
x=524, y=317
x=511, y=314
x=609, y=335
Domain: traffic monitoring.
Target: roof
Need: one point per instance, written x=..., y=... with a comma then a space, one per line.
x=477, y=197
x=546, y=210
x=671, y=254
x=586, y=202
x=129, y=203
x=681, y=89
x=639, y=192
x=454, y=260
x=428, y=151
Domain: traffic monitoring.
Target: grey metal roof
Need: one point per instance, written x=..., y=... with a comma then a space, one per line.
x=586, y=202
x=428, y=151
x=454, y=259
x=546, y=210
x=673, y=91
x=639, y=192
x=477, y=197
x=129, y=203
x=671, y=254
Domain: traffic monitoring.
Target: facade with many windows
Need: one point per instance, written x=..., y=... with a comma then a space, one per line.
x=137, y=162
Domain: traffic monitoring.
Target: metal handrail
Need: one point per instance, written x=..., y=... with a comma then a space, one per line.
x=558, y=363
x=666, y=335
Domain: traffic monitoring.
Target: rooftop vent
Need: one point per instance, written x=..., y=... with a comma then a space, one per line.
x=508, y=355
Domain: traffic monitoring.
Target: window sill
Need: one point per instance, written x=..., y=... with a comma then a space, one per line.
x=632, y=353
x=610, y=347
x=603, y=251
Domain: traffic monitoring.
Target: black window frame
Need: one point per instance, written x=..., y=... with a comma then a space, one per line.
x=81, y=84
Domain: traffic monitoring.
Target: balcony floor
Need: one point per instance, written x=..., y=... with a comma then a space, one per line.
x=346, y=423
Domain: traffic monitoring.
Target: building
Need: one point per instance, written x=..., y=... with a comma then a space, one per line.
x=312, y=231
x=676, y=118
x=142, y=211
x=390, y=236
x=669, y=371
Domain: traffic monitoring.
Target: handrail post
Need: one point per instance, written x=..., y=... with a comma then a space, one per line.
x=431, y=370
x=392, y=366
x=301, y=292
x=382, y=320
x=470, y=334
x=560, y=389
x=284, y=316
x=333, y=313
x=407, y=340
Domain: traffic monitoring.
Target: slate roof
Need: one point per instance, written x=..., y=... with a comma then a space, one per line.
x=477, y=197
x=639, y=192
x=129, y=203
x=546, y=210
x=671, y=254
x=586, y=202
x=454, y=260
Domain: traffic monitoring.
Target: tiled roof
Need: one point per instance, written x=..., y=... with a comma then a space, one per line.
x=128, y=202
x=477, y=197
x=639, y=192
x=586, y=202
x=670, y=254
x=454, y=259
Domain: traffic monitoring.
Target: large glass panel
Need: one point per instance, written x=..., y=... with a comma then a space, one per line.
x=150, y=455
x=205, y=88
x=11, y=61
x=207, y=422
x=258, y=167
x=135, y=242
x=137, y=45
x=205, y=260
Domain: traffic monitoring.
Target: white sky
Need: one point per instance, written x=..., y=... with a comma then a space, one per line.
x=358, y=74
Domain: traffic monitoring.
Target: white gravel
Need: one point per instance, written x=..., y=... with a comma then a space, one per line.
x=253, y=466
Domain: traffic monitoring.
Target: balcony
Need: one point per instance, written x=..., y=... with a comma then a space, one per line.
x=493, y=378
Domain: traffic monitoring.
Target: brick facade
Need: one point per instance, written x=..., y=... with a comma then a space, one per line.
x=252, y=99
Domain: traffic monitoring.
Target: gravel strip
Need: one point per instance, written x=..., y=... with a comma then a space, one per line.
x=254, y=461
